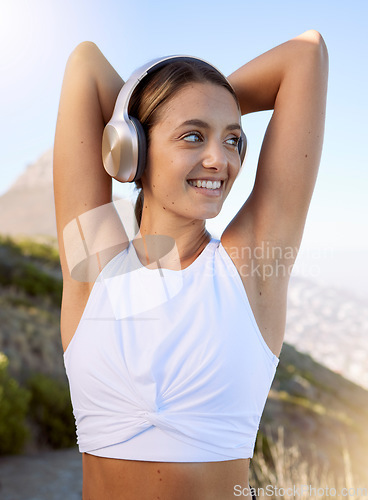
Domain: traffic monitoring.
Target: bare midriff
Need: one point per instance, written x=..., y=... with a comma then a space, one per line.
x=115, y=479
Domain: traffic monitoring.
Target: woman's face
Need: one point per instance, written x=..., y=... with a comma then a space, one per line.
x=195, y=139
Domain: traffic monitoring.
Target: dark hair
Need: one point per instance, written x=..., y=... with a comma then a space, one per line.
x=158, y=88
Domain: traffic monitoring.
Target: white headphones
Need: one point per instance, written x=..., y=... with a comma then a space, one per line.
x=124, y=145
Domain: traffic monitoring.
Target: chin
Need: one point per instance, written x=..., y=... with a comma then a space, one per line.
x=208, y=214
x=212, y=216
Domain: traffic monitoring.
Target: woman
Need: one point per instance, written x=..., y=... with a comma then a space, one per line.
x=170, y=408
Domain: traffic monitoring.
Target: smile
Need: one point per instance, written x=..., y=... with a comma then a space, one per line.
x=206, y=184
x=209, y=188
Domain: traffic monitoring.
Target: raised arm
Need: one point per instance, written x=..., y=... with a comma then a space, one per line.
x=291, y=79
x=90, y=232
x=88, y=236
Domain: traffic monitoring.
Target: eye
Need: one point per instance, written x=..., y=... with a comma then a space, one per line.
x=233, y=141
x=192, y=137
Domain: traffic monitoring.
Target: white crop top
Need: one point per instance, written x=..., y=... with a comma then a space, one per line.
x=167, y=365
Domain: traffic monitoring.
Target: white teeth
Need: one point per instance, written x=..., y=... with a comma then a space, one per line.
x=206, y=184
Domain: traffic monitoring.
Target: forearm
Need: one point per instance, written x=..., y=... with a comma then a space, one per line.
x=257, y=83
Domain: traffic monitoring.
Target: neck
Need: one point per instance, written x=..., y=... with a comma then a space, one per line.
x=176, y=243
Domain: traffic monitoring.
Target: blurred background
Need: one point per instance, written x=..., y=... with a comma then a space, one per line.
x=328, y=302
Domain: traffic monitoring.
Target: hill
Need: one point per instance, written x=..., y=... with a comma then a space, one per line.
x=27, y=208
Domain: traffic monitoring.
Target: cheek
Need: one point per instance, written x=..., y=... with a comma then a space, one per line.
x=153, y=171
x=236, y=169
x=165, y=170
x=232, y=178
x=160, y=180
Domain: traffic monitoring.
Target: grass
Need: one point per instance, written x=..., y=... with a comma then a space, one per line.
x=30, y=266
x=43, y=250
x=280, y=472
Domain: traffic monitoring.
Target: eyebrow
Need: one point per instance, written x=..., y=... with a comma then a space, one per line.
x=201, y=123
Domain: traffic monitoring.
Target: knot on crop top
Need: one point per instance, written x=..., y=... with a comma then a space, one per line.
x=178, y=353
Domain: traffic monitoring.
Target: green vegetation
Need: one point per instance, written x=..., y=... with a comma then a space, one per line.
x=26, y=247
x=36, y=282
x=33, y=407
x=51, y=411
x=45, y=403
x=30, y=267
x=14, y=402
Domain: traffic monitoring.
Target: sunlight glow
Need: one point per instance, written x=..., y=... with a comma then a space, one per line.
x=16, y=34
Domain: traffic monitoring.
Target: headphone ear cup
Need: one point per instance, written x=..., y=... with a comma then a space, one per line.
x=120, y=150
x=242, y=146
x=142, y=147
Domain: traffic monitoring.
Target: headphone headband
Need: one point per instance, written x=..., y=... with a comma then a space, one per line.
x=123, y=99
x=124, y=142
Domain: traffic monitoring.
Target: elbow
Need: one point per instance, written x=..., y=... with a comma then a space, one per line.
x=84, y=51
x=315, y=40
x=318, y=40
x=316, y=46
x=312, y=36
x=85, y=47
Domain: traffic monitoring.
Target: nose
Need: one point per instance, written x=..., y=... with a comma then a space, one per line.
x=215, y=156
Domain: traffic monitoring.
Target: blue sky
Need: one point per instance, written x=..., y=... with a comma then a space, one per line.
x=36, y=38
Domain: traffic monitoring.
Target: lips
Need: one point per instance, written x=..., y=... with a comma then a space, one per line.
x=207, y=191
x=206, y=179
x=204, y=183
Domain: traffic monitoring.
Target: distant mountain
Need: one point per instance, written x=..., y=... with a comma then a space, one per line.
x=27, y=208
x=331, y=325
